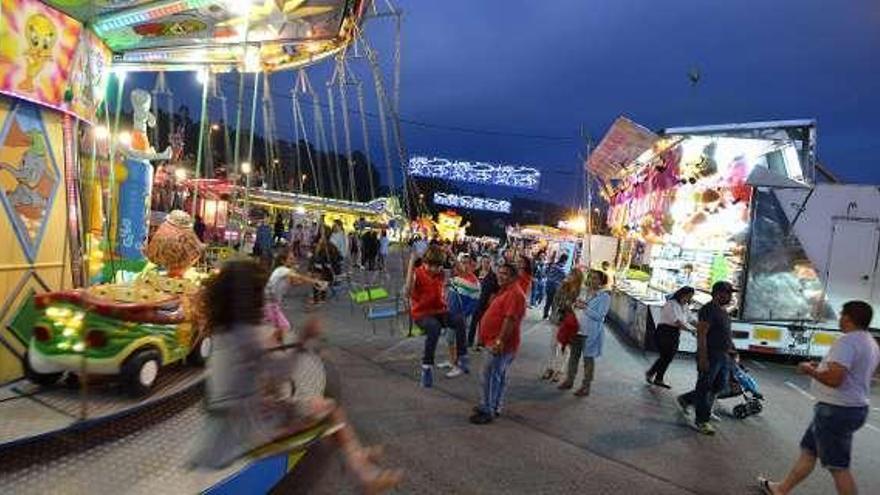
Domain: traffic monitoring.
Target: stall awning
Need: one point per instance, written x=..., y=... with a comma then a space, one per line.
x=623, y=143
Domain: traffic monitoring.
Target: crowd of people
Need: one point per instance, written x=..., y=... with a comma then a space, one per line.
x=474, y=297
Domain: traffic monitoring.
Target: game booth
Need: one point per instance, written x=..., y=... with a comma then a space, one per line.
x=739, y=203
x=103, y=341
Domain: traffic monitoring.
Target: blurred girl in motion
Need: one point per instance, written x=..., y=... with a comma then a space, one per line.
x=248, y=400
x=283, y=276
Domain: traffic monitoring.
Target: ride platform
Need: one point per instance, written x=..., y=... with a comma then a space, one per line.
x=126, y=445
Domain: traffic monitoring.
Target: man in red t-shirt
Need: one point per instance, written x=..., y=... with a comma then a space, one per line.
x=500, y=334
x=426, y=286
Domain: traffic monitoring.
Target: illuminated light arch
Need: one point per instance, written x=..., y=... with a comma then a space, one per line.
x=475, y=172
x=472, y=203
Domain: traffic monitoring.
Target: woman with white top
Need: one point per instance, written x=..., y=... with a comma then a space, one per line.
x=674, y=317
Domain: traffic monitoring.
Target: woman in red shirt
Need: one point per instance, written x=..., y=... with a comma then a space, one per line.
x=426, y=286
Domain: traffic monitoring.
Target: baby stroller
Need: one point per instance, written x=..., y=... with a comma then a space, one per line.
x=741, y=384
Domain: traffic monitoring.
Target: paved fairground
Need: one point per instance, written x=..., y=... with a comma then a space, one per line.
x=625, y=438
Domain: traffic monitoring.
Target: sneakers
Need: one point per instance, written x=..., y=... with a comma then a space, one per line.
x=704, y=428
x=649, y=378
x=481, y=418
x=683, y=407
x=427, y=378
x=454, y=372
x=714, y=417
x=445, y=365
x=464, y=364
x=662, y=384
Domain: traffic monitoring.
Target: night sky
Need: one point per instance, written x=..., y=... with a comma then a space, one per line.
x=526, y=76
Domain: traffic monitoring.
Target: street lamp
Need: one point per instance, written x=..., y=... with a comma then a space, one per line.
x=246, y=168
x=215, y=127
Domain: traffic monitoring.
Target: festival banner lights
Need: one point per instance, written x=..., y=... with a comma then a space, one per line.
x=475, y=172
x=472, y=203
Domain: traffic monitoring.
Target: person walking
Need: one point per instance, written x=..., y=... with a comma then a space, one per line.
x=500, y=334
x=591, y=334
x=370, y=244
x=488, y=288
x=554, y=277
x=297, y=238
x=714, y=347
x=339, y=239
x=841, y=384
x=674, y=317
x=563, y=305
x=537, y=295
x=199, y=228
x=279, y=230
x=425, y=286
x=384, y=244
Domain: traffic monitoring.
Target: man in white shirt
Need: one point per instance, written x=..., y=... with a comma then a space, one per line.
x=842, y=386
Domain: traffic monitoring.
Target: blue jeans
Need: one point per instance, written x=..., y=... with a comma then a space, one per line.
x=494, y=381
x=432, y=325
x=537, y=292
x=709, y=384
x=549, y=296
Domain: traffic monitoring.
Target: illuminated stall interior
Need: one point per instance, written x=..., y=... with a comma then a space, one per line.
x=685, y=205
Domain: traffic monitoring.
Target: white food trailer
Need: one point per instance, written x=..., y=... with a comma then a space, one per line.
x=739, y=203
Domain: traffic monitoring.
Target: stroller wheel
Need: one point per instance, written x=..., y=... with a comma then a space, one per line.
x=755, y=407
x=739, y=411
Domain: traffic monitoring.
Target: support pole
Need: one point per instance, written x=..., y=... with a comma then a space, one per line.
x=337, y=170
x=395, y=120
x=253, y=119
x=343, y=96
x=201, y=151
x=240, y=102
x=366, y=137
x=296, y=113
x=308, y=149
x=320, y=134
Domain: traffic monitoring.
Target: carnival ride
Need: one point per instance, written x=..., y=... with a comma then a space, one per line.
x=88, y=302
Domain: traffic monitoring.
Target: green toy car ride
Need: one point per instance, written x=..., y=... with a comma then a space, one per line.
x=80, y=332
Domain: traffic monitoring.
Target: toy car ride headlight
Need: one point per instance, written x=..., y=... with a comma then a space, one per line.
x=96, y=338
x=42, y=333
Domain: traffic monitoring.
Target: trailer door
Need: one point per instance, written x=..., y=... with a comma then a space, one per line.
x=852, y=261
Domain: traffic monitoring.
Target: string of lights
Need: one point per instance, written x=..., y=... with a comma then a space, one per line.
x=475, y=172
x=471, y=202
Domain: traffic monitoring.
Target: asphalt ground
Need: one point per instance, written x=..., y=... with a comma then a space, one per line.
x=625, y=438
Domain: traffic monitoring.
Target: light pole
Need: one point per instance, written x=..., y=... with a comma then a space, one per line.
x=245, y=168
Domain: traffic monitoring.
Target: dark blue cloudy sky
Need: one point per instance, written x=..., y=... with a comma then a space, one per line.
x=550, y=67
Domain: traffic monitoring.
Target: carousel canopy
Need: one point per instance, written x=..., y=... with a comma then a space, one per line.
x=251, y=34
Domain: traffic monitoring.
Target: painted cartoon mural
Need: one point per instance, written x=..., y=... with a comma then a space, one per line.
x=37, y=52
x=29, y=175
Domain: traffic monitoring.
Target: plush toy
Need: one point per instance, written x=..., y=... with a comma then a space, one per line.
x=704, y=166
x=738, y=190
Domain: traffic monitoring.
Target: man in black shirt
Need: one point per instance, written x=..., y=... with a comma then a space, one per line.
x=714, y=346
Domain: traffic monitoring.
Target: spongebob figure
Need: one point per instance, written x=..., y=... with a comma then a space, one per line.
x=41, y=36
